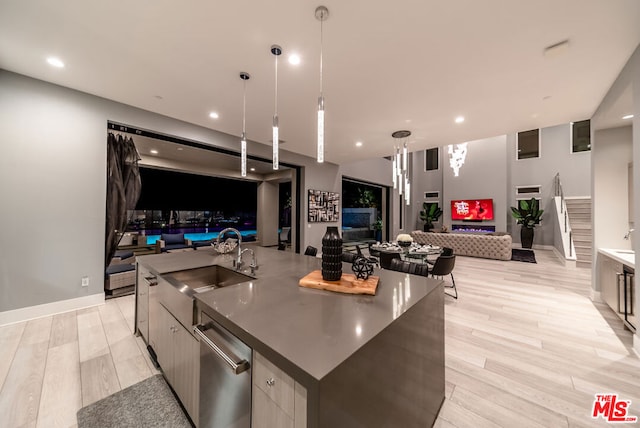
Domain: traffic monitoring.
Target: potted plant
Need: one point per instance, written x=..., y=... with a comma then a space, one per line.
x=377, y=227
x=528, y=214
x=431, y=212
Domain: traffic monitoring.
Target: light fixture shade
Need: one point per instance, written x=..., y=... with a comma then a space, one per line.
x=243, y=140
x=320, y=156
x=243, y=156
x=407, y=191
x=457, y=157
x=404, y=158
x=395, y=173
x=275, y=142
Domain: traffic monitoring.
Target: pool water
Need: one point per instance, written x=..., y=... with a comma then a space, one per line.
x=151, y=239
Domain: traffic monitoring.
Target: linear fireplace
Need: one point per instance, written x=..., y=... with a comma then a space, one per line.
x=472, y=228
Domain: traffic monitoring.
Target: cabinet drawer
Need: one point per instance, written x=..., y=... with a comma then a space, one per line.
x=265, y=413
x=276, y=384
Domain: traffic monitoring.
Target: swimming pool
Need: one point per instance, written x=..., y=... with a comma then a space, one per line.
x=151, y=239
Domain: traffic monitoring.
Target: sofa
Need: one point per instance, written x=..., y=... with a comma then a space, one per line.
x=488, y=245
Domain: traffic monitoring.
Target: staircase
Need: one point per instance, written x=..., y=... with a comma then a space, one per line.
x=579, y=210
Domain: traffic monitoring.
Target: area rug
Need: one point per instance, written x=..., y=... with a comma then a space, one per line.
x=149, y=403
x=523, y=255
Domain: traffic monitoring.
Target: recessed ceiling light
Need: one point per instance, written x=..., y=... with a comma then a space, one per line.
x=214, y=115
x=459, y=119
x=629, y=116
x=180, y=149
x=358, y=143
x=252, y=169
x=55, y=62
x=153, y=151
x=294, y=59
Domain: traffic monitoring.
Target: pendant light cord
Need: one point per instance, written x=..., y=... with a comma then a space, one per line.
x=244, y=106
x=276, y=97
x=321, y=43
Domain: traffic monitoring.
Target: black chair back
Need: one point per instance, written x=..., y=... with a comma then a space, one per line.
x=311, y=251
x=409, y=267
x=386, y=258
x=349, y=257
x=443, y=265
x=446, y=251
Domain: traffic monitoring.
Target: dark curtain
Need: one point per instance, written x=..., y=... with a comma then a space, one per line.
x=123, y=189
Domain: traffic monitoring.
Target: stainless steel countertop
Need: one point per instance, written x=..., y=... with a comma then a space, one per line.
x=313, y=330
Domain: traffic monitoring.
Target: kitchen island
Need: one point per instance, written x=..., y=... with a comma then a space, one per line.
x=363, y=361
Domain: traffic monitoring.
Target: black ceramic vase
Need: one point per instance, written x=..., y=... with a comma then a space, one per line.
x=331, y=254
x=526, y=237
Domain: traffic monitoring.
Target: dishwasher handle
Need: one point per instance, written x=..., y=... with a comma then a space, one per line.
x=236, y=366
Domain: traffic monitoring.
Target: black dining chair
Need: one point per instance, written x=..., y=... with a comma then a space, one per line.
x=446, y=251
x=311, y=251
x=349, y=257
x=373, y=260
x=443, y=267
x=386, y=258
x=399, y=265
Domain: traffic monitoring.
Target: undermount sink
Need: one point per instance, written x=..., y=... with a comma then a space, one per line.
x=208, y=278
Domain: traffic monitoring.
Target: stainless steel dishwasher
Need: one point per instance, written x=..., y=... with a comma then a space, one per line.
x=225, y=377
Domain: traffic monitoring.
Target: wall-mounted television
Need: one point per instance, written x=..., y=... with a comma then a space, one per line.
x=472, y=209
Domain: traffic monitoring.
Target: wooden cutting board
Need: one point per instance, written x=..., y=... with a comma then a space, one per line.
x=347, y=284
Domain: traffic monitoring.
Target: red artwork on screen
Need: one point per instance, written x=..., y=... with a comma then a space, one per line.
x=472, y=209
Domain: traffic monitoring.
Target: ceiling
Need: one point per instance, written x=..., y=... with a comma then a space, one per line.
x=406, y=64
x=169, y=155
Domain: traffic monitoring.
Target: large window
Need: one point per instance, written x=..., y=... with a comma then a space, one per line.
x=431, y=159
x=581, y=136
x=528, y=144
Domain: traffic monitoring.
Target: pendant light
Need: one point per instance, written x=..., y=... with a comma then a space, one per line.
x=322, y=13
x=401, y=166
x=243, y=142
x=276, y=51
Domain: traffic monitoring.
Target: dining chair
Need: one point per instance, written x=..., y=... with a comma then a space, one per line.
x=311, y=251
x=386, y=258
x=371, y=259
x=348, y=257
x=399, y=265
x=443, y=267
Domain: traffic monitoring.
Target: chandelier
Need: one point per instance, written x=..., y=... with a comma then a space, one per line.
x=401, y=166
x=457, y=157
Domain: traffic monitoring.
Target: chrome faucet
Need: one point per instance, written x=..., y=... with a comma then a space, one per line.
x=628, y=235
x=254, y=260
x=238, y=234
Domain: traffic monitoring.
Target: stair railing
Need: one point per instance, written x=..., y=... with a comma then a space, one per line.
x=567, y=233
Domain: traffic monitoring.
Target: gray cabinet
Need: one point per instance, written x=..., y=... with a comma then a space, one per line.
x=610, y=286
x=145, y=283
x=277, y=400
x=178, y=354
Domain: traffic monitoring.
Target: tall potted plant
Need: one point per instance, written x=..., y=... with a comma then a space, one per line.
x=377, y=227
x=528, y=214
x=430, y=212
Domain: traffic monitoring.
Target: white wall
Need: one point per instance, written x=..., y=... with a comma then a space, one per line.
x=628, y=77
x=483, y=176
x=52, y=185
x=555, y=157
x=612, y=152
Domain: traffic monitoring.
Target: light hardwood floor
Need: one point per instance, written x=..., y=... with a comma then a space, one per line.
x=525, y=347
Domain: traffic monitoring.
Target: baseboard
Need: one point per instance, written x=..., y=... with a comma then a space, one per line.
x=595, y=296
x=636, y=344
x=565, y=261
x=48, y=309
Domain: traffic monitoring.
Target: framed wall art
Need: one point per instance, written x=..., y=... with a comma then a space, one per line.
x=323, y=206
